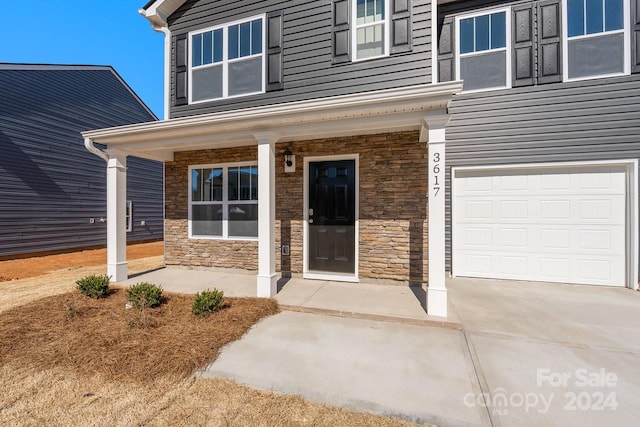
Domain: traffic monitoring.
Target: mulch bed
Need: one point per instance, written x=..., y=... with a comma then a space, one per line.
x=102, y=337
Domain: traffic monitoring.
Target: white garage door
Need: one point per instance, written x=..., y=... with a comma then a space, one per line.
x=558, y=225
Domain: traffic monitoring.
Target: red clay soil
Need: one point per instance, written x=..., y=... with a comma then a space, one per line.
x=36, y=266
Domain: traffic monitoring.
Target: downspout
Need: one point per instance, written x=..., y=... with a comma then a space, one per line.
x=159, y=24
x=88, y=143
x=434, y=41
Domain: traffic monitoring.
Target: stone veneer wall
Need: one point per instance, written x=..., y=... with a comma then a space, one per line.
x=392, y=218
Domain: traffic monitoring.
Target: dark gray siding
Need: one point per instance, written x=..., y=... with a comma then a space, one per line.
x=50, y=185
x=589, y=120
x=308, y=69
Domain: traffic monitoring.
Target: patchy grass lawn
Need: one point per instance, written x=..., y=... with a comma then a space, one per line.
x=66, y=359
x=18, y=292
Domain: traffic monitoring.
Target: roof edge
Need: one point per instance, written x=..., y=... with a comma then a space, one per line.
x=51, y=67
x=317, y=109
x=157, y=11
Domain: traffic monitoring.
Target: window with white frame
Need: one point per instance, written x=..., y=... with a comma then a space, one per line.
x=483, y=56
x=227, y=61
x=595, y=42
x=129, y=216
x=371, y=29
x=223, y=201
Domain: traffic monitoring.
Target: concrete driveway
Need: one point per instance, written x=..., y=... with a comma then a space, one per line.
x=553, y=354
x=528, y=354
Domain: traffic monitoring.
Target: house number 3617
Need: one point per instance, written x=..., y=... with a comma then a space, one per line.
x=436, y=173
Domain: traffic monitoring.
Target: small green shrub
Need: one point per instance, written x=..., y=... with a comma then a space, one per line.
x=94, y=286
x=207, y=302
x=144, y=295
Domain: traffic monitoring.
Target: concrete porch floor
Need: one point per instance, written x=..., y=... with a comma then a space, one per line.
x=363, y=300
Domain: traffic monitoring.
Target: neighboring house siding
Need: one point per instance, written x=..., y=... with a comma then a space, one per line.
x=50, y=185
x=308, y=68
x=563, y=122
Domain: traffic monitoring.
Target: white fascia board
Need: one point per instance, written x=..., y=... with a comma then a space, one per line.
x=161, y=10
x=427, y=97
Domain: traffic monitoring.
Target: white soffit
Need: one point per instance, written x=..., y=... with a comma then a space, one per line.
x=345, y=115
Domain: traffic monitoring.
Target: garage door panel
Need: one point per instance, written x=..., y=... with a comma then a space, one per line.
x=553, y=238
x=512, y=266
x=563, y=225
x=513, y=237
x=554, y=269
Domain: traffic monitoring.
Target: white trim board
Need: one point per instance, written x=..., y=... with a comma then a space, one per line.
x=305, y=216
x=631, y=214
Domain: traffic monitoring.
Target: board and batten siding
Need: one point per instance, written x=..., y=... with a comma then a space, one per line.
x=50, y=185
x=308, y=68
x=588, y=120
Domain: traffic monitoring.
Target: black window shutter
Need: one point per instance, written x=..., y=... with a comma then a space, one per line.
x=340, y=39
x=181, y=83
x=274, y=60
x=635, y=36
x=549, y=42
x=446, y=60
x=523, y=65
x=400, y=26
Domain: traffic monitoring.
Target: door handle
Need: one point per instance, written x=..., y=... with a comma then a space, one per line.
x=310, y=211
x=310, y=220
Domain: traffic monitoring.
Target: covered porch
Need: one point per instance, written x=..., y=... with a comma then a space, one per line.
x=419, y=108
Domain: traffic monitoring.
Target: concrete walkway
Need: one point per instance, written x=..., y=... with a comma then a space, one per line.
x=417, y=373
x=512, y=353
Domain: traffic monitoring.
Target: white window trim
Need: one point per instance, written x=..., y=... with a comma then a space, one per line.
x=507, y=48
x=565, y=44
x=130, y=217
x=354, y=26
x=225, y=58
x=224, y=203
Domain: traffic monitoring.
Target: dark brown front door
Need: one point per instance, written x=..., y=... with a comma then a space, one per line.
x=332, y=216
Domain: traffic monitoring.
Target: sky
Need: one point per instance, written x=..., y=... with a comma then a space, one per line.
x=88, y=32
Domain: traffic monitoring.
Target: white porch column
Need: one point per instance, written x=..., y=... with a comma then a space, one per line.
x=116, y=216
x=434, y=132
x=267, y=281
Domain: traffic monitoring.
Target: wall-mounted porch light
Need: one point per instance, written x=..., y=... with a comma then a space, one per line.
x=289, y=161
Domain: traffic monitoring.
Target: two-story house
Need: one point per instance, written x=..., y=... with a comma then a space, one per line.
x=309, y=138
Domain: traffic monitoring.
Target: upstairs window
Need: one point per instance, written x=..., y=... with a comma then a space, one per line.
x=371, y=35
x=227, y=61
x=483, y=54
x=595, y=39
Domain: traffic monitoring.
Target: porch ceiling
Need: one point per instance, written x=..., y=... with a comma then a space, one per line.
x=364, y=113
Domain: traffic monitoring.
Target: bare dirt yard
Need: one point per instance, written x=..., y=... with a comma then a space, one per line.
x=35, y=266
x=66, y=359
